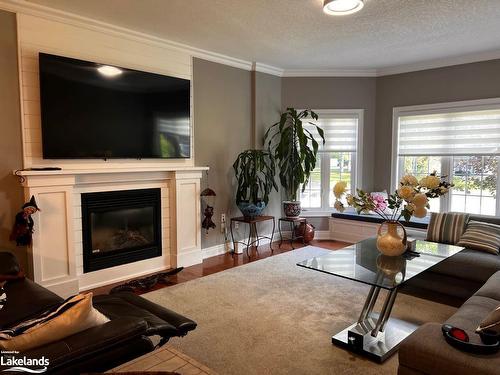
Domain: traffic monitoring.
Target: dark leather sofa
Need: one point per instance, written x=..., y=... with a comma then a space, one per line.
x=136, y=326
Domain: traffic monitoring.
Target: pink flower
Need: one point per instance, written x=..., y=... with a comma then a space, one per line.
x=379, y=201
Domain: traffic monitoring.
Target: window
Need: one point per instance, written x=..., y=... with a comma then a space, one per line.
x=458, y=140
x=338, y=160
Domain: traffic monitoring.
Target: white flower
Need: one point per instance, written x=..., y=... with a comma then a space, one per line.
x=430, y=182
x=339, y=206
x=409, y=180
x=339, y=189
x=406, y=192
x=420, y=200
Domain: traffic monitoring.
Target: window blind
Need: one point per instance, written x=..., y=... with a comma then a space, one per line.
x=445, y=134
x=341, y=133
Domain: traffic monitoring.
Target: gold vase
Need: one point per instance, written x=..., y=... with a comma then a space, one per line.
x=392, y=242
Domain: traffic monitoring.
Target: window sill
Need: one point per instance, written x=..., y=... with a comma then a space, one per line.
x=316, y=213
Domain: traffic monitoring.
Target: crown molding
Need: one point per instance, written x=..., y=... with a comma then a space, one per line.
x=330, y=73
x=440, y=63
x=24, y=7
x=269, y=69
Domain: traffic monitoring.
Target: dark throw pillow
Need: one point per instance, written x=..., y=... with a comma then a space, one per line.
x=446, y=227
x=481, y=236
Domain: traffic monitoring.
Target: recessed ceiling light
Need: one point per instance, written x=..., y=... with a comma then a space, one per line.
x=342, y=7
x=109, y=71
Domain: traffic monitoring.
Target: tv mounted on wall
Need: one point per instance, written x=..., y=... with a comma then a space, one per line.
x=98, y=111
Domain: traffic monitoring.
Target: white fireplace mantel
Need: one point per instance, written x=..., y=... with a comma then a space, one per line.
x=56, y=256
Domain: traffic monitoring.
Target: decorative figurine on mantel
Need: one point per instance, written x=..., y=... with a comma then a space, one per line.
x=22, y=231
x=208, y=196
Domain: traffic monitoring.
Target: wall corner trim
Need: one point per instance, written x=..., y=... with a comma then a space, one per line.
x=269, y=69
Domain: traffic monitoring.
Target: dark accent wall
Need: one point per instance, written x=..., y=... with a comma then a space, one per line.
x=453, y=83
x=11, y=194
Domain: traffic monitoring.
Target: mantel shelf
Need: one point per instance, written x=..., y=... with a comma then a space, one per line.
x=29, y=172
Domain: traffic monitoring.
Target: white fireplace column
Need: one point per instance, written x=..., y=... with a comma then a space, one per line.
x=55, y=257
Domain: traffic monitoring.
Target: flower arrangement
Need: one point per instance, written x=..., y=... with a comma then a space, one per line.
x=410, y=199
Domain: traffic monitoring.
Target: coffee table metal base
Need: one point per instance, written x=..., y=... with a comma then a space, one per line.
x=358, y=337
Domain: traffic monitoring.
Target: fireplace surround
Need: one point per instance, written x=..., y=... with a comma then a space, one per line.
x=120, y=227
x=55, y=259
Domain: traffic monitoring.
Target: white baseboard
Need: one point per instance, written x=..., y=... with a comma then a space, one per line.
x=189, y=258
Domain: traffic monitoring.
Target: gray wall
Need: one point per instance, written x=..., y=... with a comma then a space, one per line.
x=223, y=128
x=461, y=82
x=11, y=195
x=267, y=109
x=337, y=93
x=232, y=110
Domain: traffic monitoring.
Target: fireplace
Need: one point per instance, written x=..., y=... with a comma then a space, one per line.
x=120, y=227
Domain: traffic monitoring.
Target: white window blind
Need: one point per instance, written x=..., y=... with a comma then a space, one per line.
x=451, y=133
x=341, y=132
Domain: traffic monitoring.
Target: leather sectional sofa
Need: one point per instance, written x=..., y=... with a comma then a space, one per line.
x=136, y=325
x=471, y=280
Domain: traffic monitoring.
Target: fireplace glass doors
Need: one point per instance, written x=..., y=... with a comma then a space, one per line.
x=120, y=227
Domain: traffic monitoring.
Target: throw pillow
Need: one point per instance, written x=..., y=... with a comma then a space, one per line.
x=490, y=324
x=481, y=236
x=446, y=227
x=76, y=314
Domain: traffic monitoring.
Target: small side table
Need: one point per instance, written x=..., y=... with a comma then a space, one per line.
x=292, y=221
x=252, y=222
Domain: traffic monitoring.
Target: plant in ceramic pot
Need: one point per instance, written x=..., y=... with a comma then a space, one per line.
x=410, y=199
x=295, y=149
x=255, y=171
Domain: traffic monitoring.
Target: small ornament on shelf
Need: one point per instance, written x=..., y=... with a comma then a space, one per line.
x=22, y=232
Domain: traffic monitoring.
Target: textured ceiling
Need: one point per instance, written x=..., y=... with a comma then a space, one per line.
x=296, y=34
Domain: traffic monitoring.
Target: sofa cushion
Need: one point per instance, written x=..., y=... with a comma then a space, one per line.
x=481, y=236
x=426, y=351
x=446, y=227
x=471, y=314
x=491, y=288
x=470, y=265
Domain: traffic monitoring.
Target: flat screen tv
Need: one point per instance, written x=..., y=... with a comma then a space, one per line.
x=92, y=110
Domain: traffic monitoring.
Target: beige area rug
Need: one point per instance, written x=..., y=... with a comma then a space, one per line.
x=273, y=317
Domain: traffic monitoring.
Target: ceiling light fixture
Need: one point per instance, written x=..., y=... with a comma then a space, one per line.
x=342, y=7
x=109, y=71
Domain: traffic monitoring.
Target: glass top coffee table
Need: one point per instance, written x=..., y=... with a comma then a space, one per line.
x=376, y=335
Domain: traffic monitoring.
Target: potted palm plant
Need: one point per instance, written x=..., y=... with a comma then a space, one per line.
x=254, y=170
x=295, y=149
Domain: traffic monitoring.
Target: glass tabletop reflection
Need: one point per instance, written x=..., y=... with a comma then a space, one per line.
x=363, y=262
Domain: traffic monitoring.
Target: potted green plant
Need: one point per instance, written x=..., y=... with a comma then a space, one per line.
x=295, y=149
x=254, y=170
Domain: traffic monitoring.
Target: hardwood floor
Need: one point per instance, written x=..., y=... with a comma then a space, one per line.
x=225, y=261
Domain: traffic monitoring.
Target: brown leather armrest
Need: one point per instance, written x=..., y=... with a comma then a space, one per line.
x=426, y=351
x=9, y=267
x=180, y=322
x=91, y=341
